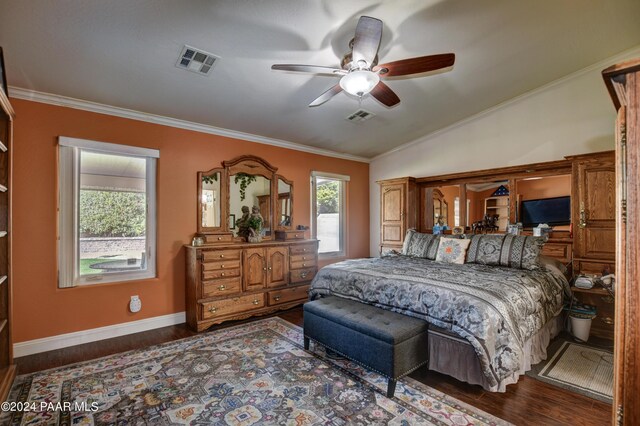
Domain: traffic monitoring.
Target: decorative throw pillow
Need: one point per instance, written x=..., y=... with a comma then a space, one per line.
x=514, y=251
x=420, y=245
x=452, y=250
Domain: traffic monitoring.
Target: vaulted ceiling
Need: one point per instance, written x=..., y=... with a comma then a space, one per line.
x=123, y=53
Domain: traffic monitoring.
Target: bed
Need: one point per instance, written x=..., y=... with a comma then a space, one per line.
x=489, y=324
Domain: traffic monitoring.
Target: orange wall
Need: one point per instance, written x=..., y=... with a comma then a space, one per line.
x=40, y=309
x=546, y=187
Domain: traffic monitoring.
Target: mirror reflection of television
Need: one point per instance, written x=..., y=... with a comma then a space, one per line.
x=552, y=211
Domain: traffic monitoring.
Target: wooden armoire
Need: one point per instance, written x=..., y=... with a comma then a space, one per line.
x=623, y=83
x=398, y=211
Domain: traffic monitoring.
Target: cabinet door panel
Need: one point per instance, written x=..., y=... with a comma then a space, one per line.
x=392, y=212
x=392, y=202
x=595, y=209
x=254, y=269
x=277, y=266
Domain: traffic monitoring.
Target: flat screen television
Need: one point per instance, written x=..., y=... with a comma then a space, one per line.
x=552, y=211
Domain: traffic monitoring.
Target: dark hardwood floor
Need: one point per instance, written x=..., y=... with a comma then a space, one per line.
x=529, y=402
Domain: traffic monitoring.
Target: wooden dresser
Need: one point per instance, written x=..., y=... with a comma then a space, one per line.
x=238, y=280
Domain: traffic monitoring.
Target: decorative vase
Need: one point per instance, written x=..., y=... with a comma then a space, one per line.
x=254, y=239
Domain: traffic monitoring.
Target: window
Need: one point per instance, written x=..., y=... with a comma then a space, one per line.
x=107, y=212
x=328, y=212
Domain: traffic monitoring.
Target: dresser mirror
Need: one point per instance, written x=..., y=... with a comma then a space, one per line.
x=245, y=187
x=210, y=200
x=285, y=203
x=246, y=193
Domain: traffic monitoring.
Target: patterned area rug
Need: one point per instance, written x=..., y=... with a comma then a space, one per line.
x=579, y=368
x=256, y=373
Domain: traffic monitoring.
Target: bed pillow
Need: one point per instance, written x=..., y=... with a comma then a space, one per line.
x=514, y=251
x=452, y=250
x=418, y=244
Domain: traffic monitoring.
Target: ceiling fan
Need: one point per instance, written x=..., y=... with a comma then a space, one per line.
x=360, y=73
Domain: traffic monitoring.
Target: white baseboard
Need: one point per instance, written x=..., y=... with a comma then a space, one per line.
x=86, y=336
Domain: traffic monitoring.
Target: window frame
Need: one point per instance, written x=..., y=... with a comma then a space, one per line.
x=342, y=232
x=69, y=167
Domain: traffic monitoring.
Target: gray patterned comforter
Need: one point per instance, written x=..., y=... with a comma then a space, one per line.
x=495, y=308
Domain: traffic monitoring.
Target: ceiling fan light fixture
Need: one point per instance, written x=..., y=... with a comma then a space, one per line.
x=360, y=82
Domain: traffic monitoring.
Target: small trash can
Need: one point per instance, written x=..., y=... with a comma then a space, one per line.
x=581, y=326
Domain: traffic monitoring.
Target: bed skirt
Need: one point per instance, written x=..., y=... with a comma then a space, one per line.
x=454, y=356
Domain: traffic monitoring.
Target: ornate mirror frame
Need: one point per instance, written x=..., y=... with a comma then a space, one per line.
x=251, y=165
x=278, y=212
x=223, y=203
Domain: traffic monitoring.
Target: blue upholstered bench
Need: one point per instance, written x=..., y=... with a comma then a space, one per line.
x=389, y=343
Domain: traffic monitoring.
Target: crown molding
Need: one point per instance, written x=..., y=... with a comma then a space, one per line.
x=64, y=101
x=597, y=66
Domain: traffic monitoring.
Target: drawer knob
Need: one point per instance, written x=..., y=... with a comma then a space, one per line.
x=297, y=235
x=212, y=309
x=304, y=258
x=264, y=269
x=256, y=302
x=222, y=287
x=304, y=249
x=219, y=238
x=222, y=255
x=304, y=274
x=222, y=274
x=222, y=266
x=607, y=320
x=277, y=298
x=269, y=268
x=304, y=264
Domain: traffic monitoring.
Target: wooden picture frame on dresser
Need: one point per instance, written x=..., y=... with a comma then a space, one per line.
x=7, y=367
x=228, y=278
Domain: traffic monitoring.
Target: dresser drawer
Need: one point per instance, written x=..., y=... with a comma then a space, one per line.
x=290, y=235
x=214, y=239
x=220, y=273
x=559, y=251
x=303, y=248
x=225, y=264
x=220, y=287
x=231, y=306
x=299, y=264
x=301, y=275
x=220, y=255
x=286, y=295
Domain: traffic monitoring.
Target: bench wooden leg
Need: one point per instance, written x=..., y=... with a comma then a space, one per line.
x=306, y=343
x=391, y=388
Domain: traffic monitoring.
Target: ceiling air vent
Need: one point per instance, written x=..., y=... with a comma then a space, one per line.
x=196, y=60
x=360, y=116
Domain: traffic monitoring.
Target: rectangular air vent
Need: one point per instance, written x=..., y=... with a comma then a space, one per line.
x=360, y=116
x=196, y=60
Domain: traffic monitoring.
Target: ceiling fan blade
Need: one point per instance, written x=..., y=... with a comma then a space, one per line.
x=314, y=69
x=367, y=40
x=384, y=94
x=416, y=65
x=326, y=95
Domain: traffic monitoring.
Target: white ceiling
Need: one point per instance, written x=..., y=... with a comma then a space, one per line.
x=123, y=53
